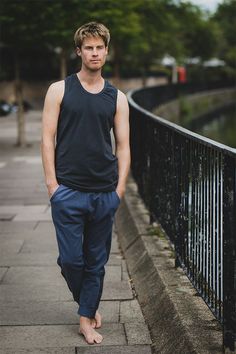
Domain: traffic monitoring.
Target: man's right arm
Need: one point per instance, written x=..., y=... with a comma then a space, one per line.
x=51, y=112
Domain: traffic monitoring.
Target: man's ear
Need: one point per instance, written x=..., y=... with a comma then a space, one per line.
x=78, y=51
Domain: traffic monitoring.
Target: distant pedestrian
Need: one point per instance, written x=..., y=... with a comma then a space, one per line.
x=85, y=180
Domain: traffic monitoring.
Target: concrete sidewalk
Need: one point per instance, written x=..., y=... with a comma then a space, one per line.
x=37, y=312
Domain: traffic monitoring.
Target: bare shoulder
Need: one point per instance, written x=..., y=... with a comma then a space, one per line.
x=57, y=85
x=56, y=91
x=122, y=101
x=121, y=96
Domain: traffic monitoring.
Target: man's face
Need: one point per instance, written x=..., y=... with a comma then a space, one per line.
x=93, y=53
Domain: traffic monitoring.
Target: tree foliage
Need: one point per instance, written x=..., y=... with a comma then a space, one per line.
x=225, y=18
x=141, y=31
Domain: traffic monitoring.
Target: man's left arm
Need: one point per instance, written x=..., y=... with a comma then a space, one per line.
x=121, y=133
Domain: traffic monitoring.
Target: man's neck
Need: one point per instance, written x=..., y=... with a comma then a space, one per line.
x=90, y=77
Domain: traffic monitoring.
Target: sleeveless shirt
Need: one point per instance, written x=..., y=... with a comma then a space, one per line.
x=83, y=154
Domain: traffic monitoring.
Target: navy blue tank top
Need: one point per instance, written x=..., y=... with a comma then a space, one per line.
x=83, y=156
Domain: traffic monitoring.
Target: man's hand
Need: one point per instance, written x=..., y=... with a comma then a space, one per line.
x=52, y=189
x=120, y=191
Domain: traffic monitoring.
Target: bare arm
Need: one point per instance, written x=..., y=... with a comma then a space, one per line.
x=121, y=133
x=49, y=127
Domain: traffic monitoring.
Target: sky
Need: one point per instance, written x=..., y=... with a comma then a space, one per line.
x=210, y=5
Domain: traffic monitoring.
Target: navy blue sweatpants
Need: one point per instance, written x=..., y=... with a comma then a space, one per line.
x=83, y=223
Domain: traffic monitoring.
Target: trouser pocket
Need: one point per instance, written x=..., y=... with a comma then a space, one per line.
x=56, y=192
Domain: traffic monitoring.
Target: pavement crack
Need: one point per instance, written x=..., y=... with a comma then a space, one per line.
x=2, y=278
x=36, y=225
x=21, y=247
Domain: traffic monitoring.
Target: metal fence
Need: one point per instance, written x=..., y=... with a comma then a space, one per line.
x=188, y=182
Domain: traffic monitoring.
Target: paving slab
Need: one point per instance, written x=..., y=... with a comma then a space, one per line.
x=28, y=259
x=11, y=246
x=18, y=183
x=124, y=349
x=137, y=333
x=33, y=275
x=130, y=312
x=17, y=293
x=17, y=227
x=117, y=291
x=45, y=227
x=51, y=312
x=40, y=245
x=49, y=275
x=31, y=217
x=124, y=271
x=115, y=259
x=114, y=245
x=26, y=337
x=16, y=235
x=59, y=291
x=5, y=201
x=32, y=350
x=18, y=209
x=40, y=258
x=3, y=271
x=112, y=273
x=33, y=199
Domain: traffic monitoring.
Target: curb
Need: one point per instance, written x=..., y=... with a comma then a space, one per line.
x=179, y=320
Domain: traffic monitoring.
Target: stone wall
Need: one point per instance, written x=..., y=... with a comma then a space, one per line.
x=186, y=108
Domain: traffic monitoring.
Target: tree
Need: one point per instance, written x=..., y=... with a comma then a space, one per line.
x=19, y=32
x=157, y=36
x=195, y=31
x=61, y=19
x=225, y=18
x=123, y=20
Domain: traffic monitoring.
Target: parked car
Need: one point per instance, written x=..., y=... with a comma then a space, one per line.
x=5, y=108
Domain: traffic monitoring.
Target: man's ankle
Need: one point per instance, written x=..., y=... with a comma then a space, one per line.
x=85, y=319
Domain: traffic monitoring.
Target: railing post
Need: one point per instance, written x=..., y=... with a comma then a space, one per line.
x=229, y=257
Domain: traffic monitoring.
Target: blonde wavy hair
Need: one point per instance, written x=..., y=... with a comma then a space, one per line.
x=91, y=29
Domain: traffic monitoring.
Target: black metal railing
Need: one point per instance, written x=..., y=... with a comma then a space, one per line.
x=188, y=183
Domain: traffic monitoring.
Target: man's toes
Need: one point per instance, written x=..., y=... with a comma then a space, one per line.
x=90, y=339
x=87, y=337
x=98, y=339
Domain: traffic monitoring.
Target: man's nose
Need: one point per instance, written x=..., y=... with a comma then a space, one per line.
x=95, y=51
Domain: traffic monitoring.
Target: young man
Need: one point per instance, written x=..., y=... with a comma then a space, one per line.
x=85, y=180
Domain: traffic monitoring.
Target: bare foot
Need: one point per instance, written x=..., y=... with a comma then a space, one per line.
x=98, y=320
x=91, y=336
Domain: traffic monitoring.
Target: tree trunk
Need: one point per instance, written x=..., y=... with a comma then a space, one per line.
x=63, y=66
x=174, y=74
x=116, y=67
x=144, y=80
x=144, y=77
x=21, y=137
